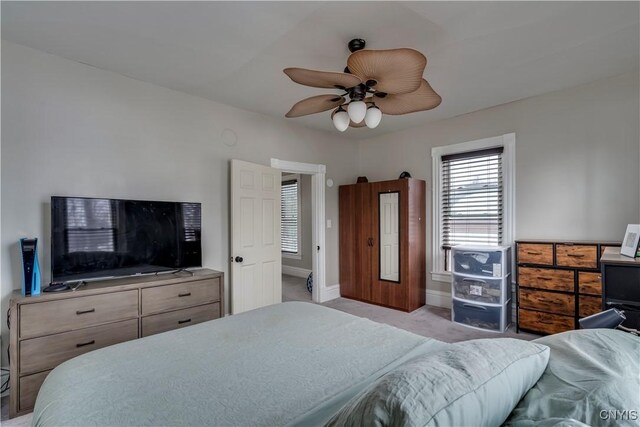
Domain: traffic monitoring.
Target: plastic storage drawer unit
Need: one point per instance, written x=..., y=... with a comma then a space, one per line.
x=487, y=261
x=484, y=290
x=479, y=316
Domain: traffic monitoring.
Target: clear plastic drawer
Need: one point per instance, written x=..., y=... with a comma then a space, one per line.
x=480, y=289
x=486, y=317
x=487, y=262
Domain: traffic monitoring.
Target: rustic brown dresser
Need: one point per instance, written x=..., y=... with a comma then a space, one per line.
x=557, y=284
x=48, y=329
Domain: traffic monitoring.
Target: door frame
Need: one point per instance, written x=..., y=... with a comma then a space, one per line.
x=318, y=260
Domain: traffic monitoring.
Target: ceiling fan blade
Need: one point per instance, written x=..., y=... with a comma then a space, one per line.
x=322, y=79
x=315, y=104
x=425, y=98
x=394, y=70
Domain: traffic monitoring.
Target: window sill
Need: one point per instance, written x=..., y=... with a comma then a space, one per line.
x=289, y=255
x=441, y=276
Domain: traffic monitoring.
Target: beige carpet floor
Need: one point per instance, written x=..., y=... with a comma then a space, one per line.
x=428, y=321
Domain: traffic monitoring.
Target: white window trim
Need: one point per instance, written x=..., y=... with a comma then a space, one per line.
x=508, y=142
x=297, y=255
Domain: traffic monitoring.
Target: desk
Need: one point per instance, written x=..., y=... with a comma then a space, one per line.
x=621, y=285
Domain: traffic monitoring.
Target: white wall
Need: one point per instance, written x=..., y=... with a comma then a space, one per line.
x=305, y=227
x=577, y=159
x=71, y=129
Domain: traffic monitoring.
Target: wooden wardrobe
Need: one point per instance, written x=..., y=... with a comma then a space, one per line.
x=382, y=243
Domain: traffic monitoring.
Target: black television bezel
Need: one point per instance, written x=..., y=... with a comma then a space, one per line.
x=114, y=276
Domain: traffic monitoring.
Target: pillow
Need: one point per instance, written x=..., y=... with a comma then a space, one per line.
x=471, y=383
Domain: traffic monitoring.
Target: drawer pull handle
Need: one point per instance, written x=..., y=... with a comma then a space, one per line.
x=84, y=344
x=474, y=280
x=186, y=294
x=544, y=278
x=475, y=307
x=79, y=312
x=534, y=253
x=180, y=322
x=576, y=255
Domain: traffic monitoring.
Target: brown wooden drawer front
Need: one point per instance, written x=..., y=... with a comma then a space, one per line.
x=589, y=305
x=546, y=278
x=550, y=302
x=173, y=297
x=179, y=319
x=39, y=354
x=545, y=322
x=585, y=256
x=75, y=313
x=589, y=283
x=29, y=387
x=535, y=253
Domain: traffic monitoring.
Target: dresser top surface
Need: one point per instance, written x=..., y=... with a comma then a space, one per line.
x=117, y=284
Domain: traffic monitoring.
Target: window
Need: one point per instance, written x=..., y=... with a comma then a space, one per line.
x=473, y=200
x=290, y=214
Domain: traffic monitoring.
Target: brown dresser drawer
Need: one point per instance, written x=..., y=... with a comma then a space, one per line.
x=551, y=302
x=535, y=253
x=589, y=283
x=63, y=315
x=568, y=255
x=179, y=319
x=589, y=305
x=173, y=297
x=544, y=322
x=29, y=387
x=39, y=354
x=546, y=278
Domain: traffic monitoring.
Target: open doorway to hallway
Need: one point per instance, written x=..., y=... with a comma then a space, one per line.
x=296, y=237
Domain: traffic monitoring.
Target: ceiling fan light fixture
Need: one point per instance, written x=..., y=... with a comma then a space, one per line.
x=373, y=117
x=357, y=110
x=340, y=119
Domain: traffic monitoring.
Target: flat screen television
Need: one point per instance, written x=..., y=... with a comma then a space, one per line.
x=93, y=237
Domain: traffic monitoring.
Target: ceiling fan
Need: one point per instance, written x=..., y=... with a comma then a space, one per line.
x=375, y=81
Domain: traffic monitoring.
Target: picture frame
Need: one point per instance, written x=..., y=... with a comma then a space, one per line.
x=631, y=240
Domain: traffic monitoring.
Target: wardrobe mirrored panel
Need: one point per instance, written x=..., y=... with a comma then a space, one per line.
x=389, y=238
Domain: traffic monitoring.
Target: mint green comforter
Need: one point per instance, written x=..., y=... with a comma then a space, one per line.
x=291, y=363
x=593, y=378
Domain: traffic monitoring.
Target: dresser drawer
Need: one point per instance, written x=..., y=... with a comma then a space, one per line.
x=546, y=278
x=179, y=319
x=585, y=256
x=551, y=302
x=544, y=322
x=589, y=283
x=535, y=253
x=589, y=305
x=29, y=387
x=45, y=318
x=173, y=297
x=39, y=354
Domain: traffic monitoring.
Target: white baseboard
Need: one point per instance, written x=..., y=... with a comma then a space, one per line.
x=330, y=292
x=439, y=298
x=295, y=271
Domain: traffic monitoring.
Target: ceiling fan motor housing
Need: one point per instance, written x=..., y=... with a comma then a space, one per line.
x=356, y=45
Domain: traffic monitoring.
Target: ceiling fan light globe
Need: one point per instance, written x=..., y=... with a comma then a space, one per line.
x=373, y=117
x=357, y=110
x=341, y=120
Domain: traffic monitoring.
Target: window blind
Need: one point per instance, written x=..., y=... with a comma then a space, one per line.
x=472, y=202
x=90, y=225
x=289, y=214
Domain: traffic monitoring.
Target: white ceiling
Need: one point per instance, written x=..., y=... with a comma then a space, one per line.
x=480, y=54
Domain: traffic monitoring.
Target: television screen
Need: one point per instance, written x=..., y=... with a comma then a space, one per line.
x=108, y=237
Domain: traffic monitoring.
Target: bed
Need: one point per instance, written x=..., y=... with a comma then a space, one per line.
x=289, y=364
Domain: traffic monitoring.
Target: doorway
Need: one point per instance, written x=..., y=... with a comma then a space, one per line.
x=304, y=256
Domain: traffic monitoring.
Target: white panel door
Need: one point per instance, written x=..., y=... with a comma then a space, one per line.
x=256, y=260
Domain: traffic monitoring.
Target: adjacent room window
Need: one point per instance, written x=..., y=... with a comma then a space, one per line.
x=290, y=214
x=473, y=200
